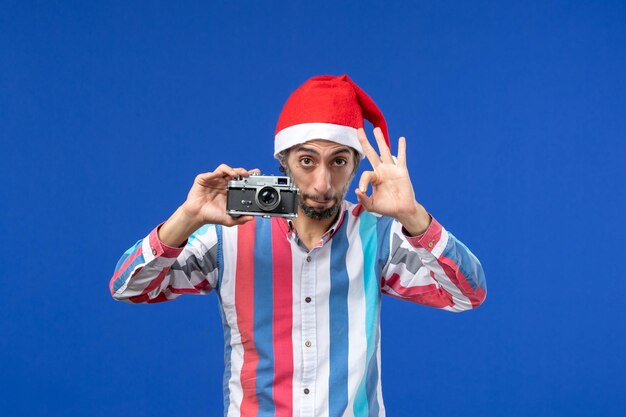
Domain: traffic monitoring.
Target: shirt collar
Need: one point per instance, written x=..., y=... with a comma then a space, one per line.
x=291, y=230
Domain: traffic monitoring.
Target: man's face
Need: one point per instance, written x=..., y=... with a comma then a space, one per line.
x=322, y=170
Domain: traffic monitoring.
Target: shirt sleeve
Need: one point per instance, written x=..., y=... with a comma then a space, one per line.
x=434, y=269
x=152, y=272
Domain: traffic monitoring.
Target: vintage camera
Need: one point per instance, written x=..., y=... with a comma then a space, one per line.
x=262, y=195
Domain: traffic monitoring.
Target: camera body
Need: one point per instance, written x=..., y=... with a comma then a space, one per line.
x=262, y=195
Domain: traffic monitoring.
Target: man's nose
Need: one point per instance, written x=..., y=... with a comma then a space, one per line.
x=322, y=180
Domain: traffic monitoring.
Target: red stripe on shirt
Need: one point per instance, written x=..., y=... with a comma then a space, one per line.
x=158, y=299
x=357, y=210
x=452, y=270
x=282, y=324
x=195, y=290
x=161, y=248
x=244, y=305
x=429, y=294
x=144, y=296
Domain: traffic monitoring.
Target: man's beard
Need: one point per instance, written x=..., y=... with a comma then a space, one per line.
x=327, y=213
x=319, y=214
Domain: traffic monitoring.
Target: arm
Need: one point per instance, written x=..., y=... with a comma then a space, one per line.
x=180, y=256
x=152, y=271
x=433, y=269
x=427, y=264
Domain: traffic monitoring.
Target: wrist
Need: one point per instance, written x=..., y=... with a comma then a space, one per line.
x=417, y=221
x=177, y=229
x=187, y=219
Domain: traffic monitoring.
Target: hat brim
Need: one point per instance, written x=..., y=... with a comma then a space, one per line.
x=301, y=133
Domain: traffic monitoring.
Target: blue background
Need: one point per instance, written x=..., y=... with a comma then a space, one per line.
x=515, y=117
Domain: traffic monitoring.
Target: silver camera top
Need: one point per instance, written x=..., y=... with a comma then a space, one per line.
x=256, y=180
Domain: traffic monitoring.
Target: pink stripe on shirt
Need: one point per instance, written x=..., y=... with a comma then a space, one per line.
x=283, y=316
x=244, y=304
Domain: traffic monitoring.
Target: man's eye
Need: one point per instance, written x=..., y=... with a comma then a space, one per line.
x=340, y=161
x=306, y=161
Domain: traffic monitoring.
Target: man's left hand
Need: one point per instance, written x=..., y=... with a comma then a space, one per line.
x=392, y=191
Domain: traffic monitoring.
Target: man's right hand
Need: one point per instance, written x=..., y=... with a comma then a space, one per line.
x=205, y=204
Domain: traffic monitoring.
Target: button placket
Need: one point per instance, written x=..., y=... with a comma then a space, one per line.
x=309, y=353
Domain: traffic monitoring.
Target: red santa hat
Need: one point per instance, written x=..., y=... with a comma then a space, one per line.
x=327, y=107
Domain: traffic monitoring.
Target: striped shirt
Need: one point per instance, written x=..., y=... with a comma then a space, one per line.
x=302, y=327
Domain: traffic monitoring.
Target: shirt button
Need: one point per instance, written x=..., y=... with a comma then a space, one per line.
x=430, y=244
x=308, y=259
x=306, y=391
x=154, y=251
x=307, y=343
x=308, y=299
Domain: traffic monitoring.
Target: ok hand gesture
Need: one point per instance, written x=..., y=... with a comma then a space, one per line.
x=392, y=192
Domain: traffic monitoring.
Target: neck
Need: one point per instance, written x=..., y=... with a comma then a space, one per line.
x=311, y=230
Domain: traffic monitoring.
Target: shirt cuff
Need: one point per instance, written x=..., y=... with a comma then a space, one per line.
x=427, y=240
x=161, y=249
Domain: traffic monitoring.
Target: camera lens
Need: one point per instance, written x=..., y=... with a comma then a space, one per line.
x=268, y=198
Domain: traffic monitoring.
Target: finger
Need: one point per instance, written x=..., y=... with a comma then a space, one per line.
x=242, y=172
x=233, y=220
x=225, y=170
x=208, y=177
x=402, y=151
x=221, y=173
x=385, y=153
x=370, y=153
x=365, y=201
x=243, y=219
x=246, y=173
x=367, y=178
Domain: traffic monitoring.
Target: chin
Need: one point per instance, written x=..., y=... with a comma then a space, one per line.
x=320, y=214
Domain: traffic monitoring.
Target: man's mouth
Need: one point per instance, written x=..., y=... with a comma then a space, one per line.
x=321, y=203
x=317, y=208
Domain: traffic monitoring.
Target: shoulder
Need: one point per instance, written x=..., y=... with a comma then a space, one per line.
x=205, y=233
x=355, y=213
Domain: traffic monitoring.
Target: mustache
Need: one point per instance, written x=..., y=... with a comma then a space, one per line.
x=320, y=197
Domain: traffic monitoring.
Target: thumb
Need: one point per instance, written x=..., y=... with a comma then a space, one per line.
x=241, y=219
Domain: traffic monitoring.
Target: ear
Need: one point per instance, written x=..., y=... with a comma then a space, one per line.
x=282, y=158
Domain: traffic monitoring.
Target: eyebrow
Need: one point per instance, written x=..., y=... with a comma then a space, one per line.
x=313, y=151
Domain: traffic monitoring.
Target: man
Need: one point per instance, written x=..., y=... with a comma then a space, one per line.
x=300, y=299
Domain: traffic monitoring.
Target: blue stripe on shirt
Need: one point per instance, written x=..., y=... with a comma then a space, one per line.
x=338, y=318
x=227, y=346
x=263, y=316
x=119, y=282
x=465, y=258
x=363, y=402
x=201, y=231
x=383, y=230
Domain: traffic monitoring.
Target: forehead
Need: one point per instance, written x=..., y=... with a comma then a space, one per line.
x=322, y=146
